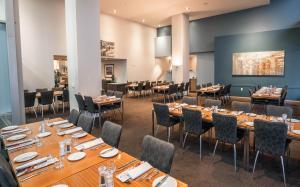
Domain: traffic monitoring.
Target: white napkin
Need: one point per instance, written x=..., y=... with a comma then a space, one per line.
x=32, y=163
x=134, y=172
x=111, y=97
x=295, y=120
x=57, y=123
x=20, y=145
x=70, y=131
x=89, y=144
x=16, y=131
x=296, y=131
x=18, y=142
x=183, y=104
x=249, y=123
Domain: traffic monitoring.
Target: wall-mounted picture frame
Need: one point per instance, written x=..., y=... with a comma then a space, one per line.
x=108, y=70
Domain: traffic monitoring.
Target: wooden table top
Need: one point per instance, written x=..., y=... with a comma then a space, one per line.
x=210, y=89
x=163, y=87
x=73, y=173
x=267, y=93
x=242, y=119
x=106, y=100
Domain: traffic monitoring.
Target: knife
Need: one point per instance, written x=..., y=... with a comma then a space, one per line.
x=125, y=165
x=162, y=181
x=108, y=150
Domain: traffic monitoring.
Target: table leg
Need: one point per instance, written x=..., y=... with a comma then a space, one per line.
x=181, y=132
x=246, y=149
x=152, y=122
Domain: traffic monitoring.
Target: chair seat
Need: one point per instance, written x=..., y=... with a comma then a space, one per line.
x=174, y=120
x=240, y=134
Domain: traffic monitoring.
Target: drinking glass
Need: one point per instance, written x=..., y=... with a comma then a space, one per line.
x=46, y=121
x=68, y=143
x=284, y=117
x=38, y=142
x=102, y=176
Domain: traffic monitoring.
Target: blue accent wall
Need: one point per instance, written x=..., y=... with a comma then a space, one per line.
x=287, y=39
x=164, y=31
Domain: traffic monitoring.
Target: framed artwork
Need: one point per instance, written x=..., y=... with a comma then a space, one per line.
x=108, y=70
x=266, y=63
x=107, y=48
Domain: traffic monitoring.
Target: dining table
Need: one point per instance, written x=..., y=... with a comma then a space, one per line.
x=243, y=119
x=209, y=90
x=83, y=172
x=267, y=93
x=161, y=89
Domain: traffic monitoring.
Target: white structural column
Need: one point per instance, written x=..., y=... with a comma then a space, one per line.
x=180, y=48
x=83, y=48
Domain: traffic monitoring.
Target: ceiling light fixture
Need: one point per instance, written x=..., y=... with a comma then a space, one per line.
x=187, y=8
x=143, y=20
x=159, y=25
x=115, y=11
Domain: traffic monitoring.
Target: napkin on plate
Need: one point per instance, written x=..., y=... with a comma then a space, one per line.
x=32, y=163
x=89, y=144
x=134, y=172
x=69, y=131
x=58, y=122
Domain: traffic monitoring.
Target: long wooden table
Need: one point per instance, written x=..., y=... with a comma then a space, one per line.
x=209, y=90
x=73, y=173
x=267, y=93
x=163, y=89
x=242, y=119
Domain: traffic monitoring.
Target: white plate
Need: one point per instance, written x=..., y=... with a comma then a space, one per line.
x=8, y=128
x=170, y=182
x=295, y=120
x=60, y=185
x=296, y=131
x=76, y=156
x=79, y=135
x=109, y=154
x=25, y=156
x=44, y=134
x=193, y=106
x=67, y=125
x=249, y=123
x=16, y=137
x=251, y=114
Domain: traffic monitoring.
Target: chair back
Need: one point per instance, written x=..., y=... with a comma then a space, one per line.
x=110, y=93
x=140, y=86
x=65, y=95
x=192, y=120
x=209, y=84
x=250, y=92
x=46, y=97
x=73, y=117
x=162, y=114
x=158, y=153
x=90, y=105
x=212, y=102
x=204, y=85
x=6, y=176
x=80, y=102
x=186, y=86
x=225, y=127
x=279, y=110
x=86, y=122
x=29, y=99
x=181, y=87
x=283, y=96
x=241, y=106
x=111, y=133
x=147, y=85
x=119, y=94
x=190, y=100
x=41, y=89
x=270, y=137
x=227, y=89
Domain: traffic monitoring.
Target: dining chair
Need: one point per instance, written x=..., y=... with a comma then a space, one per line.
x=226, y=131
x=271, y=139
x=147, y=88
x=273, y=110
x=80, y=102
x=73, y=117
x=29, y=99
x=158, y=153
x=46, y=99
x=7, y=178
x=163, y=118
x=110, y=93
x=181, y=89
x=204, y=85
x=139, y=89
x=92, y=108
x=241, y=106
x=209, y=84
x=85, y=122
x=186, y=88
x=190, y=100
x=41, y=89
x=172, y=91
x=111, y=133
x=212, y=102
x=193, y=125
x=117, y=106
x=64, y=98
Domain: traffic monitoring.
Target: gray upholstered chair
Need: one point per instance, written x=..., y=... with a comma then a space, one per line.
x=86, y=122
x=111, y=133
x=226, y=131
x=193, y=125
x=73, y=117
x=190, y=100
x=241, y=106
x=29, y=99
x=46, y=99
x=158, y=153
x=7, y=178
x=212, y=102
x=279, y=110
x=80, y=102
x=163, y=118
x=270, y=138
x=110, y=93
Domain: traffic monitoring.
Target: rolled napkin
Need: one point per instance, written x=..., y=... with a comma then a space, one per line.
x=18, y=142
x=32, y=163
x=58, y=123
x=70, y=131
x=134, y=172
x=16, y=131
x=89, y=144
x=20, y=145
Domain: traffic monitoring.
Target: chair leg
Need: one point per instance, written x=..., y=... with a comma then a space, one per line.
x=215, y=148
x=42, y=111
x=234, y=150
x=34, y=112
x=52, y=105
x=184, y=139
x=156, y=130
x=63, y=105
x=257, y=153
x=169, y=133
x=283, y=171
x=200, y=147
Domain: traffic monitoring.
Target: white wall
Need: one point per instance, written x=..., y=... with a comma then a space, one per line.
x=43, y=35
x=205, y=68
x=2, y=11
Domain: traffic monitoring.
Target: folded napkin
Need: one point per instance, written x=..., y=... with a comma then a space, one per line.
x=16, y=131
x=249, y=123
x=32, y=163
x=58, y=123
x=20, y=145
x=89, y=144
x=296, y=131
x=18, y=142
x=134, y=172
x=183, y=104
x=70, y=131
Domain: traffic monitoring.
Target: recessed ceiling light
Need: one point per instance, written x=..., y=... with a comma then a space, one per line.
x=143, y=20
x=187, y=8
x=115, y=11
x=159, y=25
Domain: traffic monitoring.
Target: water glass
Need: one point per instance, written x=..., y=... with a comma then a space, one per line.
x=46, y=121
x=38, y=142
x=60, y=163
x=102, y=176
x=284, y=117
x=75, y=141
x=68, y=143
x=61, y=148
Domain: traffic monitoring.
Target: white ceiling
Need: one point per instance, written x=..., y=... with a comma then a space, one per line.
x=159, y=12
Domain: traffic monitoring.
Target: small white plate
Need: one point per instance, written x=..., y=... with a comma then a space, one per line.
x=296, y=131
x=25, y=157
x=67, y=125
x=249, y=123
x=8, y=128
x=109, y=154
x=193, y=106
x=251, y=114
x=76, y=156
x=170, y=182
x=16, y=137
x=294, y=120
x=60, y=185
x=44, y=134
x=79, y=134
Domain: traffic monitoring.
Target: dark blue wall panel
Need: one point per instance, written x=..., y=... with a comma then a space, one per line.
x=164, y=31
x=287, y=39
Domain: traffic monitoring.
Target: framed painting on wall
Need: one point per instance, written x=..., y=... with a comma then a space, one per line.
x=265, y=63
x=108, y=70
